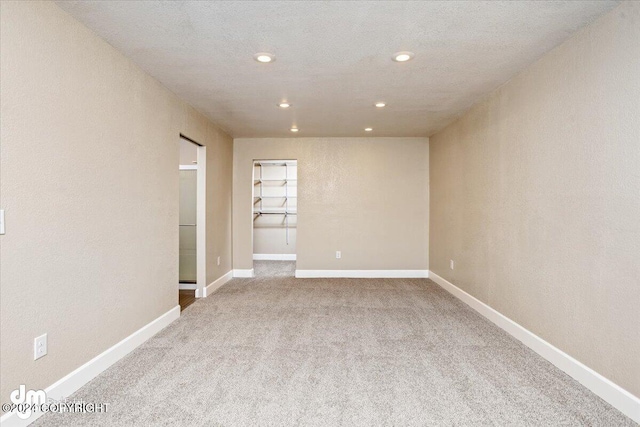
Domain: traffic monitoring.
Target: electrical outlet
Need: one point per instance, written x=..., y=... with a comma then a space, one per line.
x=451, y=264
x=218, y=260
x=338, y=254
x=39, y=346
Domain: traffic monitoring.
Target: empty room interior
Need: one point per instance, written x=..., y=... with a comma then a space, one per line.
x=331, y=213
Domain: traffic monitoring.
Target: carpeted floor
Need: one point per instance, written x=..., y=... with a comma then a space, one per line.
x=280, y=351
x=274, y=268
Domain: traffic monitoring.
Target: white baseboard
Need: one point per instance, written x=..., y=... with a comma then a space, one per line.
x=612, y=393
x=72, y=382
x=243, y=273
x=274, y=257
x=187, y=286
x=217, y=283
x=362, y=274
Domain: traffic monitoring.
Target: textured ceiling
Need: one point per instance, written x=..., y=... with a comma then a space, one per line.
x=333, y=59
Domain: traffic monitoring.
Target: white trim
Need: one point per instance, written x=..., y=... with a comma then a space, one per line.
x=612, y=393
x=187, y=286
x=201, y=217
x=274, y=257
x=243, y=273
x=213, y=286
x=364, y=274
x=201, y=220
x=70, y=383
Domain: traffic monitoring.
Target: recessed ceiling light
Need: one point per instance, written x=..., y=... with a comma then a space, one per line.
x=368, y=129
x=380, y=104
x=284, y=105
x=403, y=56
x=294, y=129
x=264, y=57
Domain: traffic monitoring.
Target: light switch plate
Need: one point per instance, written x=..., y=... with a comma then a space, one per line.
x=39, y=346
x=1, y=221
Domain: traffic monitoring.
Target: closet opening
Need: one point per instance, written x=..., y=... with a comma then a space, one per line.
x=275, y=217
x=191, y=226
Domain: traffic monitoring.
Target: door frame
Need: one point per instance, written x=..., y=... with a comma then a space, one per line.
x=201, y=215
x=281, y=257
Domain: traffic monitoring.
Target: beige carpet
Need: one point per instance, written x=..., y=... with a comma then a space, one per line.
x=274, y=268
x=280, y=351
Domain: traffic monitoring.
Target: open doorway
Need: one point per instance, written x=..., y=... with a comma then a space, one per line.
x=191, y=262
x=275, y=217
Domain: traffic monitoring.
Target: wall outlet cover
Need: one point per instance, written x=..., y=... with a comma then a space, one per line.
x=39, y=346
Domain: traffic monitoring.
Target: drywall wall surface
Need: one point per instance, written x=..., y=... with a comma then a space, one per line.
x=270, y=237
x=188, y=153
x=535, y=195
x=219, y=178
x=365, y=197
x=218, y=203
x=89, y=181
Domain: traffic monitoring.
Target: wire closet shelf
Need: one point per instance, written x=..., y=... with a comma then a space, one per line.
x=285, y=209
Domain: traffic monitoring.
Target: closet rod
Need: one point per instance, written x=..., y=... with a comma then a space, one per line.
x=275, y=197
x=275, y=164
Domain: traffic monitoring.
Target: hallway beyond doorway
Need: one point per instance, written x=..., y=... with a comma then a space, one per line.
x=186, y=297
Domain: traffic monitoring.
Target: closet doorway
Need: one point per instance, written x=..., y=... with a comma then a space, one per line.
x=275, y=217
x=191, y=262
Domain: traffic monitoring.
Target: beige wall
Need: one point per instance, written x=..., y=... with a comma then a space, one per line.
x=188, y=153
x=89, y=182
x=535, y=193
x=269, y=237
x=367, y=197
